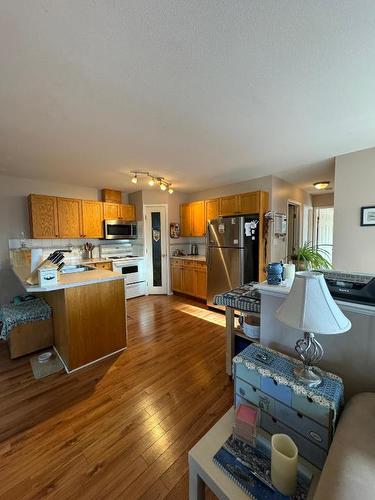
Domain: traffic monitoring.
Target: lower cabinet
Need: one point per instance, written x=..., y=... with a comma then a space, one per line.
x=189, y=277
x=104, y=265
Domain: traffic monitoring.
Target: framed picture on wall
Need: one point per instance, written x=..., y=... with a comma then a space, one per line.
x=368, y=216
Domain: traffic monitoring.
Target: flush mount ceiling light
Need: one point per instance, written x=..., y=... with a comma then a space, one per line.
x=153, y=180
x=321, y=185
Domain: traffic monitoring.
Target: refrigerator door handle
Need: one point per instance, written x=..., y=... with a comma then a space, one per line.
x=242, y=265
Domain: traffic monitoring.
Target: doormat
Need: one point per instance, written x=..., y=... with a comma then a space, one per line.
x=41, y=370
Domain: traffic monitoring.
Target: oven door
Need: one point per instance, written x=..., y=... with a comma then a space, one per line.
x=130, y=270
x=117, y=229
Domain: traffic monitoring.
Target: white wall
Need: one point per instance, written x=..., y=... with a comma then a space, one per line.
x=259, y=184
x=14, y=218
x=353, y=245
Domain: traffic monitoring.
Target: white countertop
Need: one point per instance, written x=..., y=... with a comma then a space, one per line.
x=198, y=258
x=284, y=289
x=68, y=280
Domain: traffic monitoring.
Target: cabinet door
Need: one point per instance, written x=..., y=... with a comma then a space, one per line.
x=201, y=277
x=212, y=209
x=189, y=282
x=229, y=205
x=249, y=203
x=69, y=218
x=185, y=219
x=111, y=210
x=198, y=217
x=177, y=277
x=43, y=216
x=127, y=212
x=104, y=265
x=92, y=219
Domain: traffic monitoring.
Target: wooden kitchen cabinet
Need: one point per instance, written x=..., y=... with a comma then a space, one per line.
x=185, y=219
x=201, y=281
x=212, y=209
x=248, y=203
x=177, y=275
x=43, y=216
x=104, y=265
x=111, y=210
x=198, y=218
x=189, y=277
x=69, y=215
x=127, y=212
x=92, y=219
x=228, y=205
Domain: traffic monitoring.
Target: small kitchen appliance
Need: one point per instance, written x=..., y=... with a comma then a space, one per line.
x=118, y=229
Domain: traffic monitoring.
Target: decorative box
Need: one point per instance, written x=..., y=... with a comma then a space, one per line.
x=265, y=378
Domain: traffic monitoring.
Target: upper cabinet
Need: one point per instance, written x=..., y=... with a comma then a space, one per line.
x=198, y=218
x=127, y=212
x=212, y=209
x=185, y=219
x=92, y=219
x=111, y=210
x=193, y=219
x=240, y=204
x=54, y=217
x=69, y=216
x=43, y=216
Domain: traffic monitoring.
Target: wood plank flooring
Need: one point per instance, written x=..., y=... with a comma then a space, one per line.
x=121, y=428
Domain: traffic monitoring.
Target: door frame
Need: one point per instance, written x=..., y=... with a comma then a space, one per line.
x=298, y=206
x=146, y=249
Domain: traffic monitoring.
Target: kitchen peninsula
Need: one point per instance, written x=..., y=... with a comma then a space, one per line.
x=89, y=314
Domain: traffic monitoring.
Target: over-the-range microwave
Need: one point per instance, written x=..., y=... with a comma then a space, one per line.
x=118, y=229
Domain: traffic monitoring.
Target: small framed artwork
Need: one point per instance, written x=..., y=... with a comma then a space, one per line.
x=174, y=230
x=368, y=216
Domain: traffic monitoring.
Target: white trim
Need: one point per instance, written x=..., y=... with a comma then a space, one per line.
x=166, y=236
x=87, y=364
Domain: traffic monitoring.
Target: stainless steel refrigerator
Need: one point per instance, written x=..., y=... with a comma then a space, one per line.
x=232, y=254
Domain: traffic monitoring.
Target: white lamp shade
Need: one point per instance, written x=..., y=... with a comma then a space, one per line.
x=310, y=307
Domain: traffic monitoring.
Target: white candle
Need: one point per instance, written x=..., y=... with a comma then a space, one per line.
x=289, y=272
x=284, y=460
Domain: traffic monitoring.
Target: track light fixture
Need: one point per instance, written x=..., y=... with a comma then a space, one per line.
x=159, y=181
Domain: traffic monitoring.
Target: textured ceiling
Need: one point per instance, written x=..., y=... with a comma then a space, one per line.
x=202, y=92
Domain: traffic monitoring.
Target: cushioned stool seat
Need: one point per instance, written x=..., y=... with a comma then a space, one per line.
x=27, y=327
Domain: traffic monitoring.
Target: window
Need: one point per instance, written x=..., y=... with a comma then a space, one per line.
x=323, y=231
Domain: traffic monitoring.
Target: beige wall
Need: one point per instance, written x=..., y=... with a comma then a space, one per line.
x=353, y=245
x=323, y=200
x=157, y=197
x=282, y=192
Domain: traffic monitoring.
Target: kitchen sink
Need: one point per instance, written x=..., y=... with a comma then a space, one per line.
x=76, y=269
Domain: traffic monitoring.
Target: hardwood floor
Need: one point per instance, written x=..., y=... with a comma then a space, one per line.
x=120, y=428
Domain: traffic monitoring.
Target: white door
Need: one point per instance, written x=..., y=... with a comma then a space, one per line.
x=156, y=248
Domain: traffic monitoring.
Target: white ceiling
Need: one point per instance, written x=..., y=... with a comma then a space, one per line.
x=202, y=92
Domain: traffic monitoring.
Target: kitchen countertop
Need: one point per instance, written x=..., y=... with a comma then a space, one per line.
x=68, y=280
x=197, y=258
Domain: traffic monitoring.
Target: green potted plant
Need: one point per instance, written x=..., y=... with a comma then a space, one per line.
x=309, y=257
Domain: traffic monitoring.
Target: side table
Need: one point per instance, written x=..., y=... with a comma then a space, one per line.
x=203, y=470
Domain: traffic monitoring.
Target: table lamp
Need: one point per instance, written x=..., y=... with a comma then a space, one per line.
x=310, y=307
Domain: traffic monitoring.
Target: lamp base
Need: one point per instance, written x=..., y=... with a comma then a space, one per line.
x=307, y=376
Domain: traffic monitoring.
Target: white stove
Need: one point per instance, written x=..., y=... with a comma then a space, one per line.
x=131, y=266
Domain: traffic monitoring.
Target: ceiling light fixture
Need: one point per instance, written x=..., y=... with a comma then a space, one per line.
x=159, y=181
x=321, y=185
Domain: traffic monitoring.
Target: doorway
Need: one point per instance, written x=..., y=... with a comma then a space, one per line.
x=294, y=219
x=156, y=248
x=323, y=231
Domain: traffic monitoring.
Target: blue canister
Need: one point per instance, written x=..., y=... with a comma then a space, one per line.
x=275, y=273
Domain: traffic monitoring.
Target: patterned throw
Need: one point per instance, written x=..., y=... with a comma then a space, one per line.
x=245, y=298
x=269, y=363
x=12, y=315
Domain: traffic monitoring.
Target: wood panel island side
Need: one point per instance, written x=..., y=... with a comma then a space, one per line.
x=89, y=315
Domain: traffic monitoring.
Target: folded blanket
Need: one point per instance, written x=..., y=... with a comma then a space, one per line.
x=12, y=315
